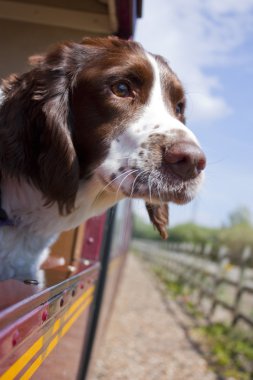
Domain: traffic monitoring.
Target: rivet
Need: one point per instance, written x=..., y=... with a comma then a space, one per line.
x=31, y=282
x=73, y=293
x=44, y=315
x=61, y=302
x=90, y=240
x=15, y=338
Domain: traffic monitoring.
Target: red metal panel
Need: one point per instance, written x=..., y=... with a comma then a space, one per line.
x=18, y=299
x=94, y=230
x=33, y=335
x=127, y=13
x=30, y=313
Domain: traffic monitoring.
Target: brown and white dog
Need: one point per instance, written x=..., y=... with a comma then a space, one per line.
x=90, y=124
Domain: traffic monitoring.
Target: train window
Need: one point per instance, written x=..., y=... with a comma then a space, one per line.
x=51, y=322
x=42, y=323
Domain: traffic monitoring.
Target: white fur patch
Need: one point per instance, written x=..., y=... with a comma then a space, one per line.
x=124, y=150
x=157, y=113
x=1, y=96
x=23, y=246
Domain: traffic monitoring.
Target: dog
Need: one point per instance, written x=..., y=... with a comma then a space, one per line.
x=90, y=124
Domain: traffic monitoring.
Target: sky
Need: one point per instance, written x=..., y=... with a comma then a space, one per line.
x=209, y=44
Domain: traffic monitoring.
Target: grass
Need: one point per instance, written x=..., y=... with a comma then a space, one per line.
x=178, y=290
x=229, y=350
x=175, y=287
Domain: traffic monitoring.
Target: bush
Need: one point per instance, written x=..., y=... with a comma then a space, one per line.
x=235, y=236
x=143, y=230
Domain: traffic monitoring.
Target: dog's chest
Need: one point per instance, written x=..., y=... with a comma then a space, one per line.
x=26, y=207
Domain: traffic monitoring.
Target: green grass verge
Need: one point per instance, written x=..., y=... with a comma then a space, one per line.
x=229, y=350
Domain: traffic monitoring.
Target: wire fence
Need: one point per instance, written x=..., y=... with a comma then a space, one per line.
x=223, y=285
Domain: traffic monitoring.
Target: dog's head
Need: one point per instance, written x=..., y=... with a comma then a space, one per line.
x=103, y=107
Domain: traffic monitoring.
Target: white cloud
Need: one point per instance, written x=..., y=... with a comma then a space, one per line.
x=195, y=35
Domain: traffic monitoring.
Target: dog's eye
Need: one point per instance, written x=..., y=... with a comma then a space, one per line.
x=180, y=107
x=121, y=89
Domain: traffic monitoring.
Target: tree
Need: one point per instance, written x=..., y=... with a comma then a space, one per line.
x=240, y=216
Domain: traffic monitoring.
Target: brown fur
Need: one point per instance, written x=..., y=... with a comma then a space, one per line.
x=57, y=120
x=159, y=216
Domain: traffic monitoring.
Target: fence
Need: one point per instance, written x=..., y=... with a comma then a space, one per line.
x=191, y=265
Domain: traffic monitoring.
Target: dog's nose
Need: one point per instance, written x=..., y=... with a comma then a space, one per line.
x=185, y=159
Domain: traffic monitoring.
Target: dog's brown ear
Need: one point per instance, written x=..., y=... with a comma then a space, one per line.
x=159, y=216
x=35, y=133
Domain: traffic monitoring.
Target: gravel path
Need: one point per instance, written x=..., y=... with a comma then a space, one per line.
x=146, y=338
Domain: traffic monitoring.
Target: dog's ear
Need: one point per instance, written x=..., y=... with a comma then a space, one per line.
x=35, y=133
x=159, y=216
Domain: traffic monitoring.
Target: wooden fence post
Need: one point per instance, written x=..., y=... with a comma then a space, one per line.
x=202, y=288
x=195, y=273
x=223, y=260
x=239, y=289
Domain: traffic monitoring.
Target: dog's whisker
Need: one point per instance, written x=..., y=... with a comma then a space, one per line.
x=150, y=188
x=150, y=180
x=159, y=195
x=133, y=184
x=108, y=184
x=121, y=183
x=121, y=158
x=158, y=190
x=139, y=175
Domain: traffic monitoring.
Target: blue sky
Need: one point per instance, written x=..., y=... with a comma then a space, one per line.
x=209, y=43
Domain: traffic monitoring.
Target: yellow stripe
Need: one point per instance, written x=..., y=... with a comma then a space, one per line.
x=33, y=368
x=57, y=326
x=70, y=322
x=28, y=374
x=52, y=345
x=12, y=372
x=36, y=364
x=78, y=302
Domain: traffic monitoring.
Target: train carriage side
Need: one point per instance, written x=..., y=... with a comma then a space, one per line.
x=52, y=329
